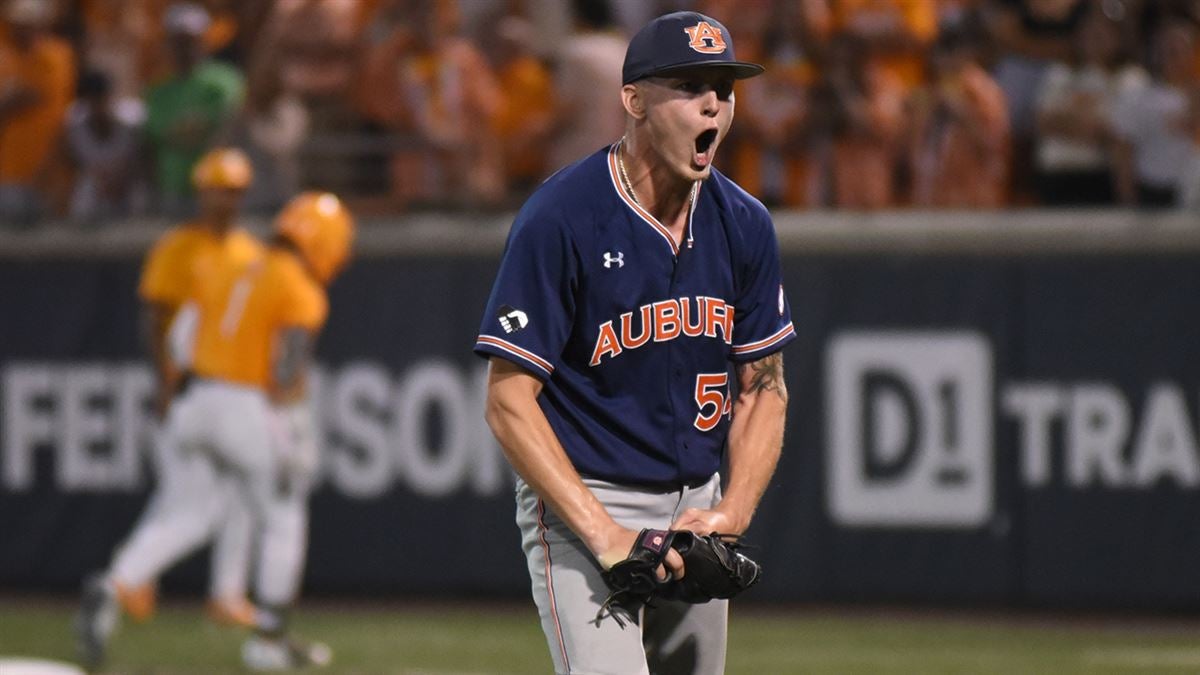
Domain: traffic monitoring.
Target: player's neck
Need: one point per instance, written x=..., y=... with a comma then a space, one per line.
x=654, y=187
x=219, y=229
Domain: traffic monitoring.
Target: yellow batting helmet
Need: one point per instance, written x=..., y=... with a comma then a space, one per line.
x=321, y=228
x=223, y=168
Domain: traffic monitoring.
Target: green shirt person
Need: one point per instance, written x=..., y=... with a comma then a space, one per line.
x=185, y=112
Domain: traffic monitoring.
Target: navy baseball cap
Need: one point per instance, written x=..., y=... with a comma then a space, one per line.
x=679, y=41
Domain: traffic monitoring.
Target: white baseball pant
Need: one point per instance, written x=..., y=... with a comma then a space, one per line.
x=224, y=441
x=229, y=567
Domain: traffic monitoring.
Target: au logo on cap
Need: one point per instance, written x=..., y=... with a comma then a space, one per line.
x=706, y=38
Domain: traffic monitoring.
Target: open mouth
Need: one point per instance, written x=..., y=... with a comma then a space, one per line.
x=704, y=143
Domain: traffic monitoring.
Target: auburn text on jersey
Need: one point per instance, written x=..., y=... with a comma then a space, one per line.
x=664, y=321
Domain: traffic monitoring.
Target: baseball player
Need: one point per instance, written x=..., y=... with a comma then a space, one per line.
x=221, y=177
x=632, y=284
x=242, y=426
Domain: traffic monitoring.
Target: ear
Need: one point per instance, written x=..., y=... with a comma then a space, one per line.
x=634, y=101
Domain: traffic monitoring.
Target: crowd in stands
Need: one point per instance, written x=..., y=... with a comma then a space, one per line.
x=105, y=105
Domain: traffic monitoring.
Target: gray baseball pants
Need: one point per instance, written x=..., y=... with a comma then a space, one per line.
x=667, y=638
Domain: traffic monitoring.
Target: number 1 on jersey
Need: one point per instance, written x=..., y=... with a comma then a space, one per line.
x=712, y=397
x=235, y=306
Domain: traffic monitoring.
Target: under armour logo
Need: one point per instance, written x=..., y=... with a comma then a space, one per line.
x=609, y=260
x=512, y=320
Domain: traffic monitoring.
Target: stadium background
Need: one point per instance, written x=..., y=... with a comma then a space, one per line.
x=993, y=406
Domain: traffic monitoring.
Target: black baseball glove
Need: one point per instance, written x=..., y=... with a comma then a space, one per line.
x=713, y=568
x=634, y=580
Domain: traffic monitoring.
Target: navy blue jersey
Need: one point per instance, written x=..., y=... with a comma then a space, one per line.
x=632, y=334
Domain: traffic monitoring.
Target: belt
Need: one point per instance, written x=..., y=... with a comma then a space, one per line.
x=661, y=487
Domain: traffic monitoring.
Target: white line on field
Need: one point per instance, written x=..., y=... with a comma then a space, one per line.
x=29, y=666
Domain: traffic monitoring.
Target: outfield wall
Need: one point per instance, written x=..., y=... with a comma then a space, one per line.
x=984, y=408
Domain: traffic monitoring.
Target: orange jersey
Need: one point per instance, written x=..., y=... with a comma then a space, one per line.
x=186, y=251
x=242, y=311
x=28, y=136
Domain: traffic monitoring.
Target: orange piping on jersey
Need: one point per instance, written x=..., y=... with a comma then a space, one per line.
x=765, y=342
x=629, y=201
x=517, y=351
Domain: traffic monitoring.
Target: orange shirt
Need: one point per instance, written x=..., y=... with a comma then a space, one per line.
x=457, y=86
x=27, y=137
x=917, y=18
x=185, y=251
x=529, y=92
x=242, y=311
x=527, y=109
x=176, y=259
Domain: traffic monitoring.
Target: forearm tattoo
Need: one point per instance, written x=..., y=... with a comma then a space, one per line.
x=767, y=375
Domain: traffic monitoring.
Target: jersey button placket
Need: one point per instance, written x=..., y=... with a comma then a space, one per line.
x=679, y=415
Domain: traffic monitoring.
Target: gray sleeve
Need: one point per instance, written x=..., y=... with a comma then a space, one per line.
x=292, y=356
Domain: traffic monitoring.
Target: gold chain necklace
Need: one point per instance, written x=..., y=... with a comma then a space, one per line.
x=624, y=174
x=629, y=184
x=633, y=195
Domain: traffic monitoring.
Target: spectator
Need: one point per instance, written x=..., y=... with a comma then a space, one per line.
x=319, y=45
x=271, y=127
x=377, y=94
x=123, y=39
x=960, y=132
x=1074, y=116
x=864, y=105
x=1029, y=35
x=896, y=33
x=588, y=73
x=187, y=111
x=223, y=26
x=129, y=39
x=769, y=155
x=380, y=102
x=1156, y=125
x=103, y=143
x=526, y=116
x=454, y=98
x=37, y=83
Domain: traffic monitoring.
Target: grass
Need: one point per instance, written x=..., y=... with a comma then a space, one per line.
x=505, y=639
